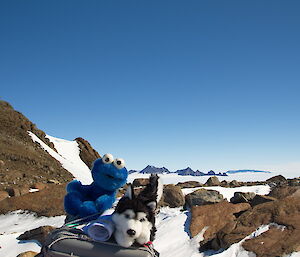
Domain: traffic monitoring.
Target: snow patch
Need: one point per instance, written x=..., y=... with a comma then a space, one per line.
x=14, y=224
x=68, y=155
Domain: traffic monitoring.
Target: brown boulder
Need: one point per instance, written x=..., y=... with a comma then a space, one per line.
x=203, y=196
x=172, y=196
x=189, y=184
x=259, y=199
x=212, y=181
x=87, y=153
x=28, y=254
x=282, y=192
x=17, y=191
x=242, y=197
x=274, y=242
x=3, y=195
x=39, y=186
x=285, y=212
x=38, y=234
x=277, y=180
x=215, y=217
x=224, y=183
x=234, y=183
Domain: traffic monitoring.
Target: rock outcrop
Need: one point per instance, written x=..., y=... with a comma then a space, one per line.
x=172, y=196
x=189, y=184
x=242, y=197
x=203, y=196
x=87, y=153
x=23, y=162
x=285, y=212
x=259, y=199
x=214, y=217
x=212, y=181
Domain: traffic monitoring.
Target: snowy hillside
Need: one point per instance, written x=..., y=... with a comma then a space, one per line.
x=68, y=155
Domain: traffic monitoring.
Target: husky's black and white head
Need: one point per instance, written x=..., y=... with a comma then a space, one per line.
x=134, y=216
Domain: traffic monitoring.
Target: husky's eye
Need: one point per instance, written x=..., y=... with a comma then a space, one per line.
x=127, y=216
x=142, y=219
x=107, y=158
x=119, y=163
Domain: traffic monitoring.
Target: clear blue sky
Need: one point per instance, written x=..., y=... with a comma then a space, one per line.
x=206, y=84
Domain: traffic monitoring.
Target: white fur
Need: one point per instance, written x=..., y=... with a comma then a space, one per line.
x=160, y=188
x=131, y=220
x=142, y=228
x=128, y=192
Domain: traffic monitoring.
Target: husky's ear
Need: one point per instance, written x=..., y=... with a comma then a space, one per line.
x=152, y=205
x=129, y=192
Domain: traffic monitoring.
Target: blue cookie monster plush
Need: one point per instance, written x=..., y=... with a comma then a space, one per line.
x=84, y=200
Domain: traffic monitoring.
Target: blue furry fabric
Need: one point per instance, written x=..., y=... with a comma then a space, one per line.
x=84, y=200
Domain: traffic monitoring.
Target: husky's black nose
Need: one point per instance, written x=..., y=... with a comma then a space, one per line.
x=131, y=232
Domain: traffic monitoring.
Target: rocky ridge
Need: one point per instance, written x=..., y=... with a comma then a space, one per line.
x=24, y=165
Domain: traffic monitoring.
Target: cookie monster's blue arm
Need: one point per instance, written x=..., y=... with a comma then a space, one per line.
x=76, y=201
x=105, y=202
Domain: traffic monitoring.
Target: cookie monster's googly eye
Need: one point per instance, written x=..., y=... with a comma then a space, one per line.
x=119, y=163
x=107, y=158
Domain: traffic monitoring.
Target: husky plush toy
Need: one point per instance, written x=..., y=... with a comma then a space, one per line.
x=134, y=216
x=84, y=200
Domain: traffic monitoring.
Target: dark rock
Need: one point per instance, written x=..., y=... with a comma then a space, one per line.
x=241, y=197
x=203, y=196
x=172, y=196
x=212, y=181
x=189, y=184
x=259, y=199
x=234, y=183
x=278, y=180
x=87, y=153
x=38, y=234
x=224, y=183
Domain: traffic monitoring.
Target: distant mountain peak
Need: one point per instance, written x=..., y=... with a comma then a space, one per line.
x=150, y=169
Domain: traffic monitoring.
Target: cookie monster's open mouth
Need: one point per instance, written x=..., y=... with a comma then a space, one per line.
x=110, y=176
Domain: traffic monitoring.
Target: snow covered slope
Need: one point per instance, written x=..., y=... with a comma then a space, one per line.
x=14, y=224
x=68, y=155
